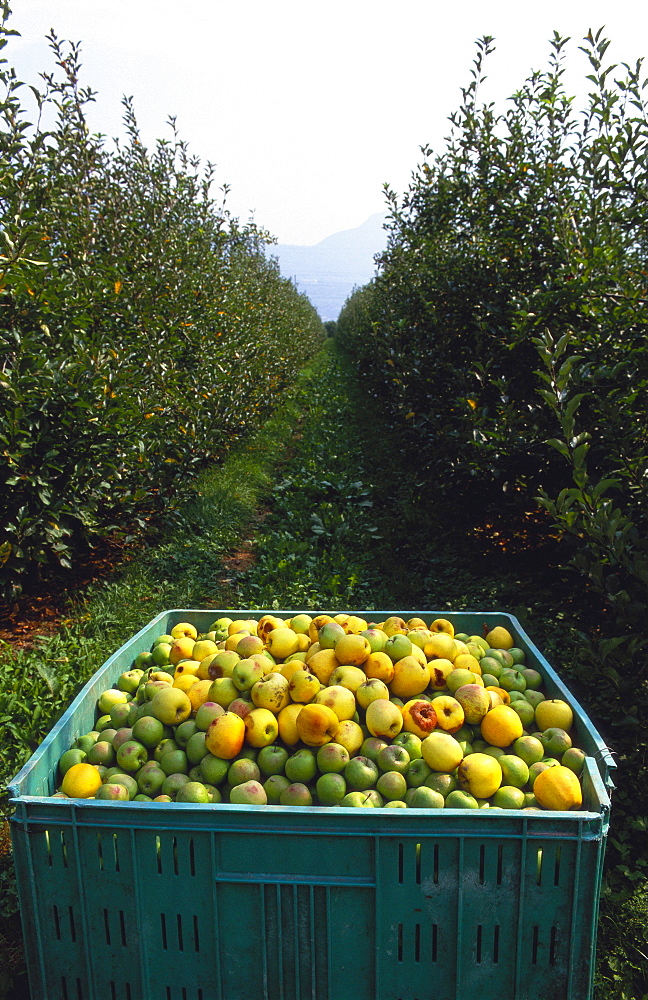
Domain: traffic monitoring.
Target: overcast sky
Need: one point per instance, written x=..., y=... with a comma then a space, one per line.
x=308, y=107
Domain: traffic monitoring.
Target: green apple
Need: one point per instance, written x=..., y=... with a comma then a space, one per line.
x=458, y=799
x=143, y=660
x=411, y=742
x=417, y=773
x=358, y=800
x=301, y=766
x=173, y=783
x=195, y=748
x=130, y=680
x=272, y=759
x=150, y=781
x=213, y=769
x=424, y=797
x=131, y=755
x=393, y=758
x=160, y=654
x=296, y=794
x=397, y=647
x=242, y=769
x=110, y=697
x=193, y=791
x=170, y=705
x=120, y=714
x=249, y=793
x=332, y=758
x=330, y=789
x=371, y=746
x=274, y=786
x=206, y=713
x=443, y=783
x=102, y=752
x=174, y=762
x=391, y=785
x=376, y=638
x=86, y=741
x=128, y=781
x=112, y=792
x=149, y=731
x=123, y=734
x=184, y=731
x=75, y=755
x=361, y=773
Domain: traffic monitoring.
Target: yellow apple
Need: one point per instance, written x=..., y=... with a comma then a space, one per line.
x=384, y=718
x=339, y=698
x=316, y=724
x=261, y=727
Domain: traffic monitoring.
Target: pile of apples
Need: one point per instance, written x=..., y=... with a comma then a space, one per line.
x=329, y=710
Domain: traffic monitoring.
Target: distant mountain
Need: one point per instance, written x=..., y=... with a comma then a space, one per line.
x=329, y=271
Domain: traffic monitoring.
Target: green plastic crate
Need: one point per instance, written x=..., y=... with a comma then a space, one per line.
x=135, y=901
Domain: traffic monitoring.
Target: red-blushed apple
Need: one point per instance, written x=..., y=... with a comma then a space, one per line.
x=250, y=793
x=296, y=794
x=475, y=702
x=338, y=698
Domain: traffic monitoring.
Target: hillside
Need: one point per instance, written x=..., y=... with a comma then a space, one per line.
x=329, y=271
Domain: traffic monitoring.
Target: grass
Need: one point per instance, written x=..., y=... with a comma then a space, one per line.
x=328, y=507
